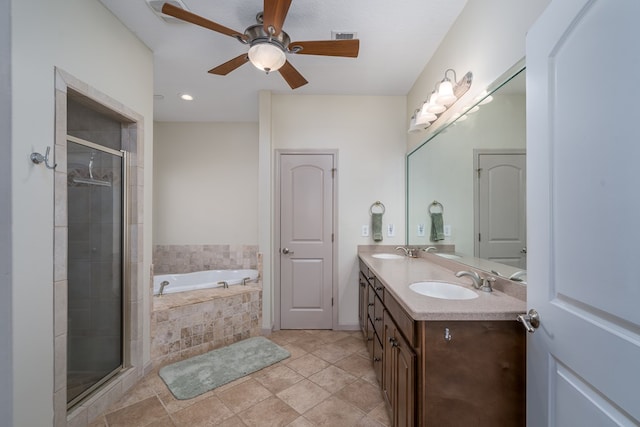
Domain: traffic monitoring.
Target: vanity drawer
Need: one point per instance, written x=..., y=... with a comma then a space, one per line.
x=405, y=324
x=378, y=287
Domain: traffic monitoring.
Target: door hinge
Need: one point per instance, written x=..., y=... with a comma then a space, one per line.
x=479, y=170
x=479, y=238
x=332, y=236
x=332, y=302
x=333, y=172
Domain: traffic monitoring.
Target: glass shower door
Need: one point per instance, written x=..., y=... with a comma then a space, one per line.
x=95, y=267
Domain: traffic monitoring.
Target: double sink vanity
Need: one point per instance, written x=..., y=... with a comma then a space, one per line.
x=445, y=352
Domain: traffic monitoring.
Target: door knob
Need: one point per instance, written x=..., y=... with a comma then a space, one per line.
x=531, y=320
x=523, y=250
x=286, y=251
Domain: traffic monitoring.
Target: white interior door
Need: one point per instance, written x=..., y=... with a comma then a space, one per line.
x=306, y=246
x=583, y=156
x=501, y=208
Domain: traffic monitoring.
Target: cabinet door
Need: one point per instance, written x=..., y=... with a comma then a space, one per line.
x=388, y=332
x=362, y=303
x=404, y=387
x=399, y=363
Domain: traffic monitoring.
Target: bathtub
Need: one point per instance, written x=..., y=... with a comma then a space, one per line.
x=201, y=280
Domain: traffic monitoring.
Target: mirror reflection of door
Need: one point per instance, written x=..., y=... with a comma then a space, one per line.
x=501, y=206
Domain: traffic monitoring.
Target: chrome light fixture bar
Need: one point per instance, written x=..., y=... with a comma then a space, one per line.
x=444, y=95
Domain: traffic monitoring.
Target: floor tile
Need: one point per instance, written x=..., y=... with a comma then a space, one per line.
x=356, y=365
x=271, y=412
x=303, y=396
x=277, y=378
x=244, y=395
x=207, y=412
x=334, y=412
x=331, y=352
x=139, y=414
x=332, y=378
x=307, y=365
x=362, y=394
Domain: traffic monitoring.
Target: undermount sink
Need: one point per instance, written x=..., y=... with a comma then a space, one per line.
x=448, y=256
x=442, y=290
x=387, y=256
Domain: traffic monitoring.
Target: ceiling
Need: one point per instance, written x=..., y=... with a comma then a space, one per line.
x=397, y=39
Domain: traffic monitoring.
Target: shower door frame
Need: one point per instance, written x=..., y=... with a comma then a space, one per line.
x=124, y=256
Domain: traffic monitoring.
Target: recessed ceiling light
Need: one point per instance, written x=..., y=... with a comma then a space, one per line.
x=186, y=97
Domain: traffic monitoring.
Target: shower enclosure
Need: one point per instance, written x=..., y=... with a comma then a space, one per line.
x=95, y=194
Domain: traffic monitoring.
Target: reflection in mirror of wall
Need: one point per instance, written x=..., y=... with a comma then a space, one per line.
x=474, y=167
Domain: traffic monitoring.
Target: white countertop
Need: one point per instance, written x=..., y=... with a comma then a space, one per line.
x=398, y=274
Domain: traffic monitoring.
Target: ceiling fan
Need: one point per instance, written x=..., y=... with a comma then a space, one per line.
x=268, y=44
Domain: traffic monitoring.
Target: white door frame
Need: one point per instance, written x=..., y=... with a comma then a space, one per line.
x=276, y=234
x=476, y=191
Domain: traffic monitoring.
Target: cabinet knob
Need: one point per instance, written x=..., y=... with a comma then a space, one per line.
x=371, y=304
x=378, y=319
x=377, y=359
x=393, y=341
x=379, y=288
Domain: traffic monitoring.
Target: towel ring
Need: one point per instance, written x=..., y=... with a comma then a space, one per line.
x=379, y=205
x=437, y=205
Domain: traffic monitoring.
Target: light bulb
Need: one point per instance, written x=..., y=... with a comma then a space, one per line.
x=424, y=115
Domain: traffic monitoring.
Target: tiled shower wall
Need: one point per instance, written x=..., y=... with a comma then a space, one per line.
x=177, y=259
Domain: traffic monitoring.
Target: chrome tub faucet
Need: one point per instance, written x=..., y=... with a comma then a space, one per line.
x=163, y=285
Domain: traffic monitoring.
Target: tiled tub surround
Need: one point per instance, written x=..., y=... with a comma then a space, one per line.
x=185, y=324
x=176, y=259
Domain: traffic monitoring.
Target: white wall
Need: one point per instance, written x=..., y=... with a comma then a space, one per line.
x=369, y=133
x=205, y=183
x=85, y=40
x=487, y=39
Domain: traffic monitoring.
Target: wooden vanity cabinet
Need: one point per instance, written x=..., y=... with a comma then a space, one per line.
x=443, y=373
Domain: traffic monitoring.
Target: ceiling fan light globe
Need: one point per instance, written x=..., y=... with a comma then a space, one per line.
x=267, y=56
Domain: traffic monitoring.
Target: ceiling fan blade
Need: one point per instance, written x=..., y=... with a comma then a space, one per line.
x=229, y=66
x=274, y=14
x=348, y=48
x=292, y=76
x=185, y=15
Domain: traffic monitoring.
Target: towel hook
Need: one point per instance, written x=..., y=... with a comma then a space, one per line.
x=436, y=204
x=377, y=204
x=38, y=158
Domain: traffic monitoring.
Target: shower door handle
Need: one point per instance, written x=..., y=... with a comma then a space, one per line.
x=286, y=251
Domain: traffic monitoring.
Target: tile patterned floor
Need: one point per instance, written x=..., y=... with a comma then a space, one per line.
x=327, y=381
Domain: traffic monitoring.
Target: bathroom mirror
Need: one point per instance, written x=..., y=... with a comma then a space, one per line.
x=473, y=171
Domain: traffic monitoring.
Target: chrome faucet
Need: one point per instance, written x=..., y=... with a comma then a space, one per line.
x=224, y=284
x=403, y=249
x=410, y=252
x=475, y=277
x=163, y=285
x=483, y=283
x=431, y=249
x=245, y=280
x=518, y=275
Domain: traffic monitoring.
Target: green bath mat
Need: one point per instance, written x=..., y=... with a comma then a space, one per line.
x=199, y=374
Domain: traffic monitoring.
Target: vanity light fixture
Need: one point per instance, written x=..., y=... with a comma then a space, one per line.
x=445, y=94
